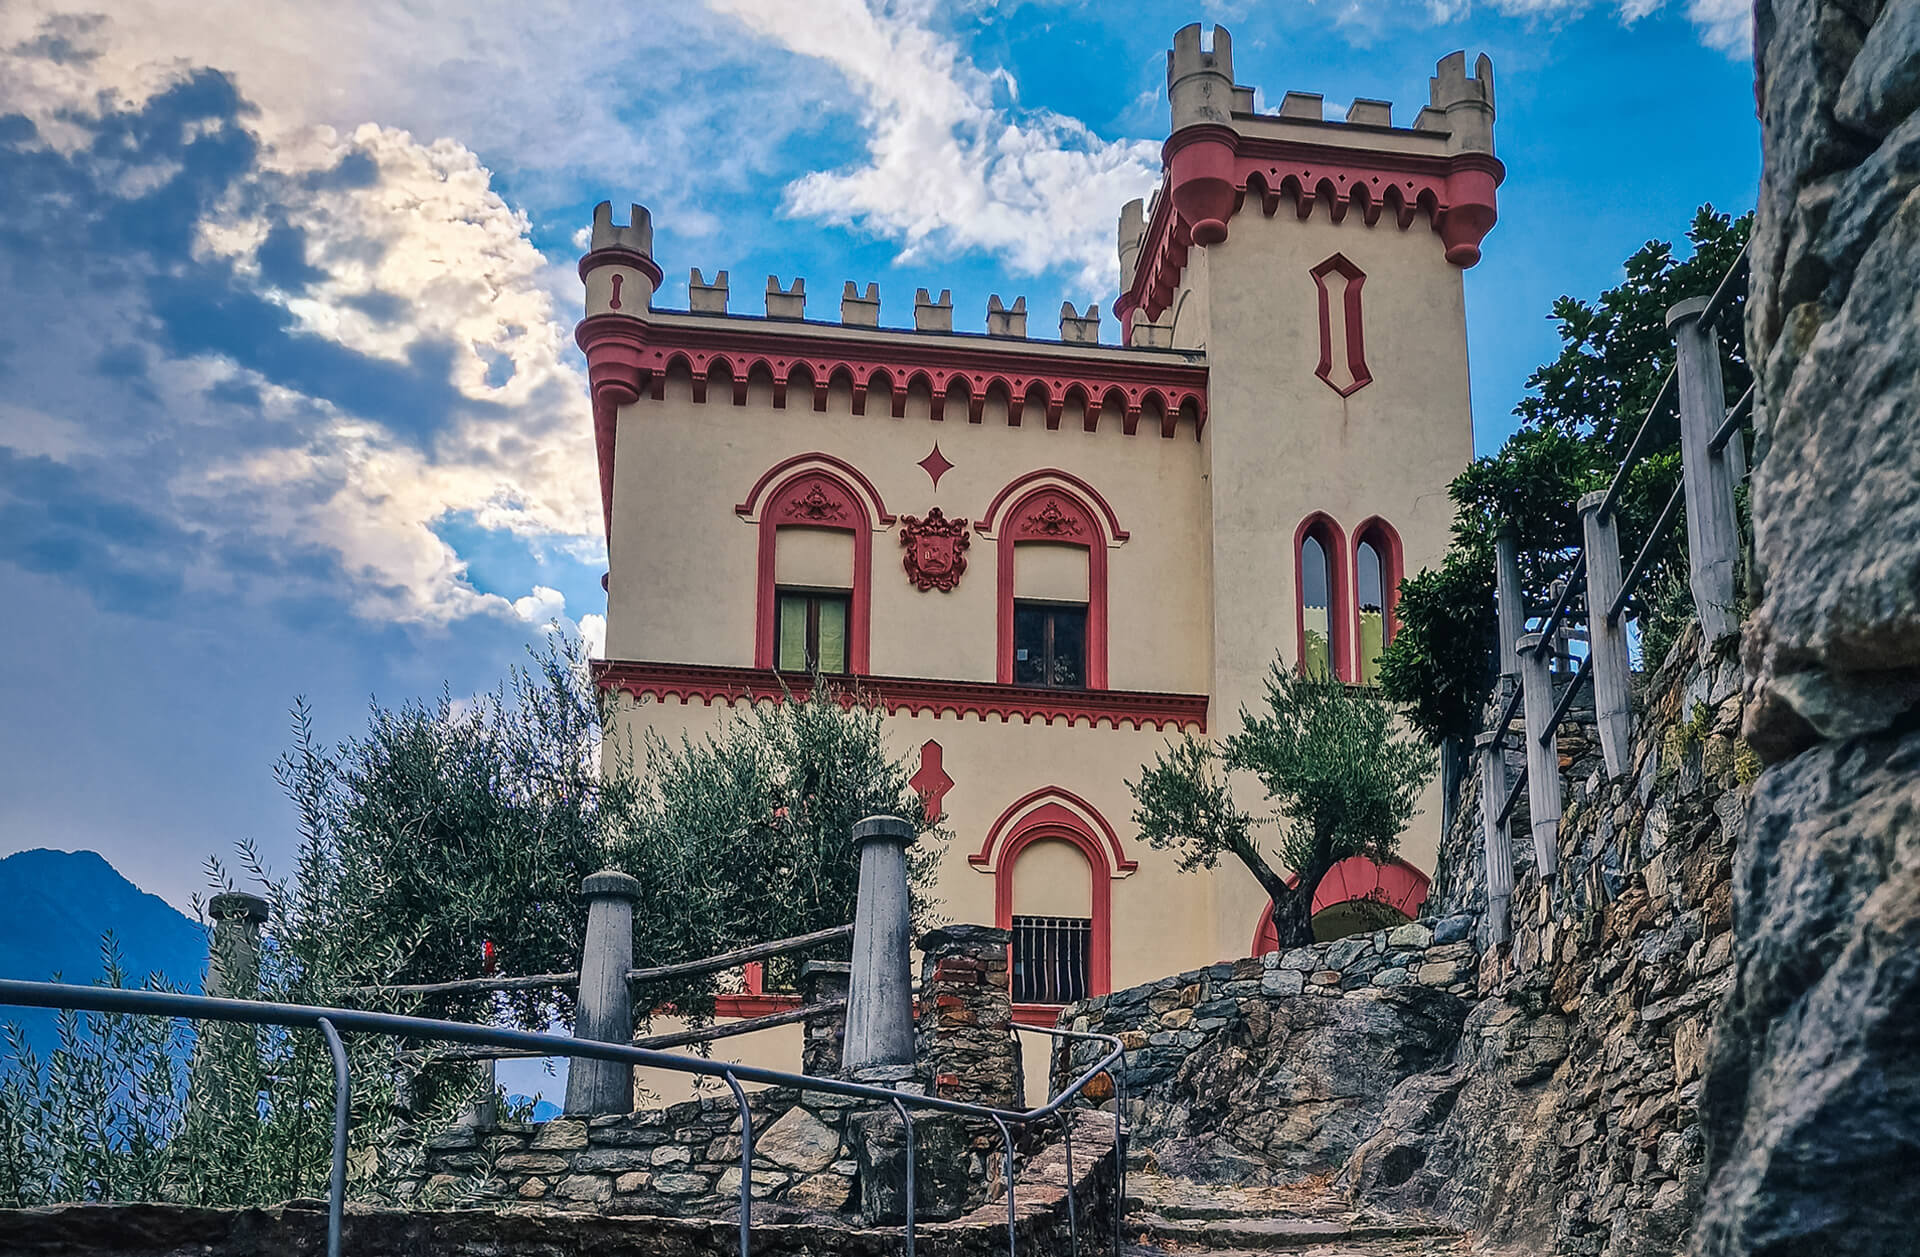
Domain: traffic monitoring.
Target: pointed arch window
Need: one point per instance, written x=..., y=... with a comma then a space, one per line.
x=1376, y=579
x=1320, y=595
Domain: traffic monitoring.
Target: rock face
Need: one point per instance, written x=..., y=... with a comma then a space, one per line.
x=1568, y=1120
x=1813, y=1086
x=1268, y=1069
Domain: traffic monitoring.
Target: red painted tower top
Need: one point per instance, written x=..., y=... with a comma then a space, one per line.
x=1220, y=152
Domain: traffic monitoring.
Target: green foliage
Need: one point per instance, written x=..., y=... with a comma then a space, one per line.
x=1582, y=413
x=94, y=1120
x=1341, y=777
x=439, y=829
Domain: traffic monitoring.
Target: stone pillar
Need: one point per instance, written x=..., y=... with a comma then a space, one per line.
x=880, y=986
x=1607, y=637
x=1713, y=533
x=966, y=1023
x=233, y=955
x=1511, y=603
x=822, y=981
x=604, y=1010
x=1496, y=846
x=1543, y=756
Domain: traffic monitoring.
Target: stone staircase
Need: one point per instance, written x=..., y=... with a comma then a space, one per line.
x=1170, y=1215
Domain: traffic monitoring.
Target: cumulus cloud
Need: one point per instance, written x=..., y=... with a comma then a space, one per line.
x=1725, y=25
x=951, y=161
x=281, y=354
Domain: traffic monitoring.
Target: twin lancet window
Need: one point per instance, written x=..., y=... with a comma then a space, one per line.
x=1340, y=637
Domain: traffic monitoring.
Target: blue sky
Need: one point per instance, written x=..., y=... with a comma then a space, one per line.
x=288, y=399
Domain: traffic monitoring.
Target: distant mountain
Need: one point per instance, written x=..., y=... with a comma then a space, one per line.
x=54, y=908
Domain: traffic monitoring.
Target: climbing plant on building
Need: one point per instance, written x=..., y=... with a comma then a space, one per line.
x=1339, y=773
x=1581, y=413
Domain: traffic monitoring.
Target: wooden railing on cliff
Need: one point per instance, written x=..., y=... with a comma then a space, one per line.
x=1713, y=462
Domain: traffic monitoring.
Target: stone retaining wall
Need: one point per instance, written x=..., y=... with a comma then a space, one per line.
x=1269, y=1068
x=1569, y=1122
x=539, y=1230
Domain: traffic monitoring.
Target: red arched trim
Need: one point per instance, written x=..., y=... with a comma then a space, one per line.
x=1055, y=822
x=1055, y=514
x=1349, y=316
x=816, y=498
x=1396, y=884
x=1320, y=527
x=1115, y=533
x=1392, y=571
x=1049, y=802
x=846, y=470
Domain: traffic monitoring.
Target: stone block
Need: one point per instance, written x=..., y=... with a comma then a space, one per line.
x=532, y=1163
x=670, y=1156
x=590, y=1188
x=799, y=1141
x=681, y=1184
x=1412, y=934
x=631, y=1182
x=559, y=1135
x=1283, y=982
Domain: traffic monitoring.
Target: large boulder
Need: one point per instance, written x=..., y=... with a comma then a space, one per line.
x=1291, y=1089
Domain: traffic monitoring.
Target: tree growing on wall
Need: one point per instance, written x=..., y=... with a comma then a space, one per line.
x=1340, y=778
x=1581, y=413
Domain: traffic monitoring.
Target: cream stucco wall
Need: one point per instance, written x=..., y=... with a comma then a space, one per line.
x=1281, y=445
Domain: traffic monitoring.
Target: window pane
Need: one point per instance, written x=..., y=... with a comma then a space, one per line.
x=1373, y=602
x=1069, y=661
x=790, y=653
x=1315, y=611
x=1029, y=645
x=833, y=634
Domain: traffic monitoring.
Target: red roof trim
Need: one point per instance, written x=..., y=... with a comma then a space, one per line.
x=1456, y=192
x=914, y=696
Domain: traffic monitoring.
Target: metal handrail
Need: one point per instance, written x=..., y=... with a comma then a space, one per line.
x=330, y=1021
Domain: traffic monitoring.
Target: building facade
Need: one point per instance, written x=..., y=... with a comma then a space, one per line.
x=1046, y=557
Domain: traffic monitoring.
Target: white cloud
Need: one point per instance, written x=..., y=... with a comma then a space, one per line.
x=1725, y=25
x=948, y=166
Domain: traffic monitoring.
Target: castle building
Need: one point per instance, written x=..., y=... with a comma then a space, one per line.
x=1047, y=557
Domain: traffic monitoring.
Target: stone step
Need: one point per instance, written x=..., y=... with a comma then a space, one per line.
x=1267, y=1234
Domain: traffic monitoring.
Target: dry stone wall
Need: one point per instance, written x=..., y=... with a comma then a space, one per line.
x=1569, y=1122
x=1270, y=1068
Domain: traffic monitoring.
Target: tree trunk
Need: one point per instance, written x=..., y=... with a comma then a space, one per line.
x=1292, y=906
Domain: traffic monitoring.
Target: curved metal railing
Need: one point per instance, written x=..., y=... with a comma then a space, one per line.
x=330, y=1022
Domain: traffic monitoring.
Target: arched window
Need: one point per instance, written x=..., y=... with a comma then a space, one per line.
x=1320, y=588
x=1052, y=582
x=1051, y=922
x=1376, y=578
x=815, y=582
x=1054, y=859
x=1356, y=896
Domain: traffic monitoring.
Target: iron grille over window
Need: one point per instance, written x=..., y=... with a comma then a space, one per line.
x=1050, y=959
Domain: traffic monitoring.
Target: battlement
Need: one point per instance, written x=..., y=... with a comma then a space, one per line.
x=930, y=315
x=786, y=303
x=635, y=235
x=1200, y=80
x=705, y=298
x=1465, y=102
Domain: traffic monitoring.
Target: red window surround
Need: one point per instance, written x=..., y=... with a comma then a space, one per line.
x=1354, y=333
x=1340, y=604
x=823, y=493
x=1046, y=814
x=1392, y=571
x=1065, y=510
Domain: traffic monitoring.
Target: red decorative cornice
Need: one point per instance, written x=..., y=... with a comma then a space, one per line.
x=1212, y=172
x=914, y=696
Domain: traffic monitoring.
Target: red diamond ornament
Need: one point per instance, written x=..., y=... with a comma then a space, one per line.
x=935, y=465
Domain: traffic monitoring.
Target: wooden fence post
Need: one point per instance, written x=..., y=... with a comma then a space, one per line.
x=1511, y=603
x=1713, y=534
x=604, y=1010
x=1494, y=842
x=1607, y=637
x=1543, y=753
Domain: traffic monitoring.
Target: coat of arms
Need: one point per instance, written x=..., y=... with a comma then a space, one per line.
x=936, y=549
